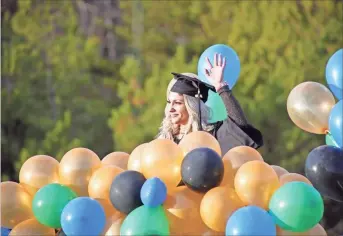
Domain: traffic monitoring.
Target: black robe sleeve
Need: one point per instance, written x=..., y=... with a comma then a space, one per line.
x=235, y=130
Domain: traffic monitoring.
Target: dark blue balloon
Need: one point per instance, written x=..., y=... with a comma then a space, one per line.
x=232, y=68
x=334, y=74
x=336, y=123
x=250, y=220
x=83, y=216
x=324, y=168
x=153, y=192
x=5, y=231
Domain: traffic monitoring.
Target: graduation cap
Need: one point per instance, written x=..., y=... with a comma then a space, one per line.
x=193, y=87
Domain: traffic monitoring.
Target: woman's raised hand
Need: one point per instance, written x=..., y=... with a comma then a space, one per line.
x=214, y=73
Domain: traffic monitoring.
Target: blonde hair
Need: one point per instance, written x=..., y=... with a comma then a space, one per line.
x=168, y=129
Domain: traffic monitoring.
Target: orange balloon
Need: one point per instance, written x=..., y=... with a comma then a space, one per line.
x=183, y=211
x=113, y=225
x=38, y=171
x=15, y=204
x=198, y=139
x=162, y=158
x=229, y=174
x=108, y=208
x=100, y=183
x=183, y=203
x=309, y=105
x=217, y=206
x=279, y=170
x=134, y=162
x=31, y=227
x=240, y=155
x=317, y=230
x=291, y=177
x=76, y=168
x=118, y=159
x=255, y=183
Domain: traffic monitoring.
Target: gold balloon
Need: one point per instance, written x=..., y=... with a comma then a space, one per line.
x=113, y=225
x=229, y=174
x=162, y=158
x=217, y=206
x=317, y=230
x=31, y=227
x=118, y=159
x=184, y=203
x=309, y=105
x=108, y=208
x=255, y=183
x=240, y=155
x=15, y=204
x=198, y=139
x=279, y=170
x=291, y=177
x=38, y=171
x=76, y=169
x=134, y=162
x=183, y=212
x=100, y=183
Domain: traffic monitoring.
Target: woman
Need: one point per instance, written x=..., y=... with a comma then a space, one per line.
x=186, y=110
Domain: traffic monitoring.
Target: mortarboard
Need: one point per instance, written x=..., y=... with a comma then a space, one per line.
x=193, y=87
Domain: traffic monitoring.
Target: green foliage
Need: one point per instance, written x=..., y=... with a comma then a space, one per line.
x=59, y=92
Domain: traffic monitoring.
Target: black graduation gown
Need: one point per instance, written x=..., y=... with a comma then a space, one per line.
x=235, y=130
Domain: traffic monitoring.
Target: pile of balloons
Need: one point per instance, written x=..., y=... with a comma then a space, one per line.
x=161, y=188
x=312, y=107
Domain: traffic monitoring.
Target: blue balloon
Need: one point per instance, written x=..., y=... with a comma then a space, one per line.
x=153, y=192
x=5, y=231
x=334, y=74
x=232, y=68
x=83, y=216
x=336, y=123
x=250, y=220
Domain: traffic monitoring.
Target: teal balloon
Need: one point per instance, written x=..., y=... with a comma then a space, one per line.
x=48, y=204
x=218, y=110
x=329, y=140
x=146, y=221
x=296, y=206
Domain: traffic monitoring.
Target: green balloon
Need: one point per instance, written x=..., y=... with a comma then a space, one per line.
x=329, y=140
x=296, y=206
x=217, y=106
x=146, y=221
x=48, y=203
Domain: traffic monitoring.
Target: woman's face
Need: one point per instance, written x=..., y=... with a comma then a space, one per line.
x=176, y=109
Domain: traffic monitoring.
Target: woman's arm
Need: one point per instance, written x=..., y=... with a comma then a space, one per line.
x=233, y=108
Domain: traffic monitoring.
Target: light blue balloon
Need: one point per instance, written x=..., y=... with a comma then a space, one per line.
x=83, y=216
x=336, y=123
x=153, y=192
x=231, y=74
x=250, y=220
x=232, y=68
x=334, y=74
x=5, y=231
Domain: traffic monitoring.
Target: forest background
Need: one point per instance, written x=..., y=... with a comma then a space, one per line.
x=93, y=73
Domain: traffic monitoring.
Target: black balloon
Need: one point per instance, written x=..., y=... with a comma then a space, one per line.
x=125, y=191
x=324, y=168
x=202, y=169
